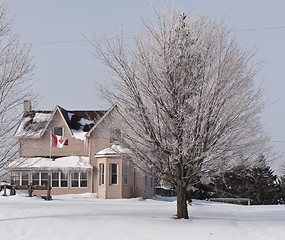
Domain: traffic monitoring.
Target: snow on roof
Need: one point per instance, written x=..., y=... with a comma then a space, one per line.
x=113, y=150
x=40, y=163
x=41, y=117
x=32, y=125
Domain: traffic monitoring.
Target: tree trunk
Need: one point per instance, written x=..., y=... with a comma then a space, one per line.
x=182, y=211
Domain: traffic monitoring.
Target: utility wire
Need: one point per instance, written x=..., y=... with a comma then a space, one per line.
x=85, y=40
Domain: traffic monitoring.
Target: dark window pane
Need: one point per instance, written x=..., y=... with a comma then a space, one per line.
x=64, y=179
x=63, y=183
x=35, y=178
x=57, y=131
x=44, y=178
x=113, y=173
x=74, y=183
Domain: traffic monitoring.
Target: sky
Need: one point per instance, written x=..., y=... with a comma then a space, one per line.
x=67, y=73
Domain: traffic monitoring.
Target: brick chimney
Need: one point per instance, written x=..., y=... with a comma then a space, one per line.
x=27, y=106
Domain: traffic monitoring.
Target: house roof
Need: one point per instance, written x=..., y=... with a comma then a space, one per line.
x=35, y=123
x=40, y=163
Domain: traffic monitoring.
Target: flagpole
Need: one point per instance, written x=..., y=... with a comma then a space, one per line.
x=49, y=173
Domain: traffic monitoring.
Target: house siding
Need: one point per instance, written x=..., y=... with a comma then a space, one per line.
x=41, y=147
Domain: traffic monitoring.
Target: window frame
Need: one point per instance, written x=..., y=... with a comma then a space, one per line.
x=79, y=180
x=56, y=128
x=114, y=174
x=101, y=174
x=60, y=179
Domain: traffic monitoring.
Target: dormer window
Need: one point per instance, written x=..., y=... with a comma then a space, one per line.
x=58, y=131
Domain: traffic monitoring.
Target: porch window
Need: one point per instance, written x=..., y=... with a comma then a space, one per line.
x=126, y=174
x=102, y=173
x=79, y=179
x=55, y=179
x=58, y=131
x=20, y=178
x=25, y=178
x=16, y=178
x=63, y=179
x=40, y=178
x=113, y=173
x=36, y=178
x=44, y=178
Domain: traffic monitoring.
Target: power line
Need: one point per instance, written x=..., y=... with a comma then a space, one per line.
x=85, y=40
x=260, y=29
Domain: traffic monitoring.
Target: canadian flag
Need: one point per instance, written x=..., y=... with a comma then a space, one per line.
x=58, y=141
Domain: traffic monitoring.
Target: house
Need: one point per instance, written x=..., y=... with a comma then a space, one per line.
x=93, y=162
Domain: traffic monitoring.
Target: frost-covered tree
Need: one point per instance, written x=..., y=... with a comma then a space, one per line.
x=16, y=68
x=187, y=88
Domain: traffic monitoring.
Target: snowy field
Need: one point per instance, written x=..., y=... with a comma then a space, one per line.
x=86, y=217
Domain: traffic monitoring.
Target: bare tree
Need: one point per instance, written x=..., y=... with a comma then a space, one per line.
x=16, y=68
x=189, y=96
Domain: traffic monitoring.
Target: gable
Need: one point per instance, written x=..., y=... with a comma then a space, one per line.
x=35, y=123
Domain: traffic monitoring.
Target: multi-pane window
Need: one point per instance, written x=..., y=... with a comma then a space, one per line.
x=40, y=178
x=113, y=173
x=25, y=178
x=102, y=173
x=83, y=179
x=59, y=179
x=75, y=179
x=44, y=178
x=36, y=178
x=20, y=178
x=115, y=135
x=55, y=179
x=126, y=174
x=16, y=178
x=58, y=131
x=63, y=179
x=79, y=179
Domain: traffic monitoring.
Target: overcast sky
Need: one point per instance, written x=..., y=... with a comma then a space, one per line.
x=67, y=73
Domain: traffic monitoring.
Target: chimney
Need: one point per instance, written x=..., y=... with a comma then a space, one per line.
x=27, y=106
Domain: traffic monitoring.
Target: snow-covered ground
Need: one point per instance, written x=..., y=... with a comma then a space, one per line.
x=86, y=217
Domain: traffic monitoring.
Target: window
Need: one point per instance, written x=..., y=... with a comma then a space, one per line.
x=79, y=179
x=75, y=179
x=102, y=173
x=151, y=182
x=58, y=131
x=115, y=135
x=113, y=173
x=36, y=178
x=145, y=180
x=25, y=178
x=55, y=179
x=126, y=174
x=83, y=179
x=44, y=178
x=40, y=178
x=20, y=178
x=63, y=179
x=59, y=179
